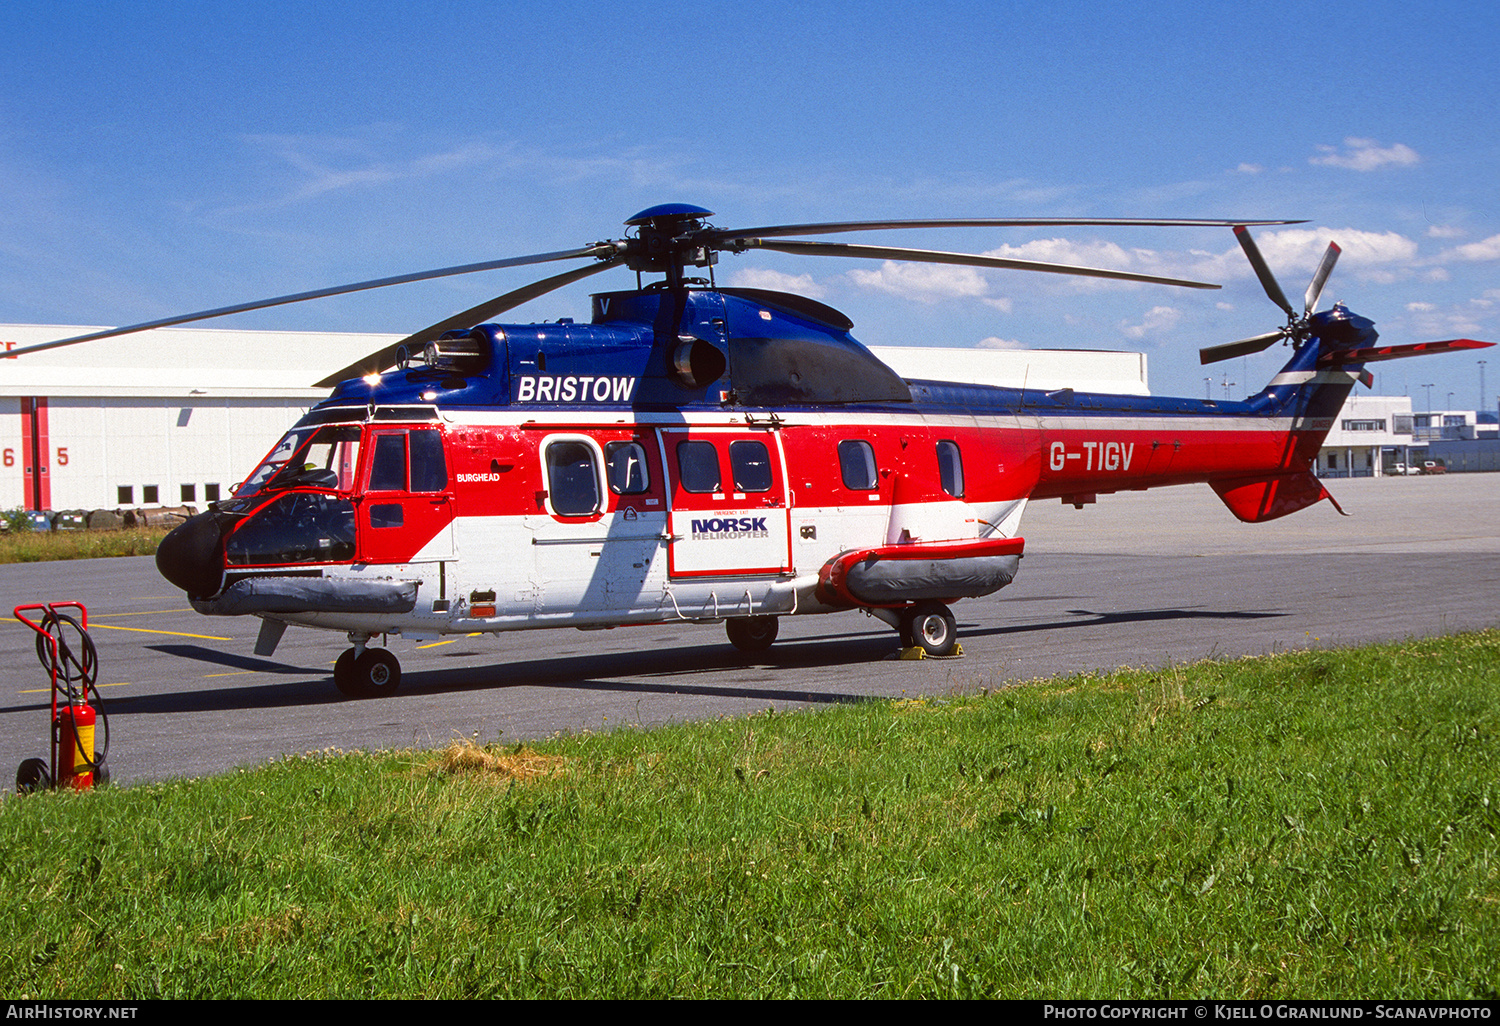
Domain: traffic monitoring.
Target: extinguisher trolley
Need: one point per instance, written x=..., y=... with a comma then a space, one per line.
x=67, y=654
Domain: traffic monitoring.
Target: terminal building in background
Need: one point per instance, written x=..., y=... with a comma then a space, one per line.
x=177, y=416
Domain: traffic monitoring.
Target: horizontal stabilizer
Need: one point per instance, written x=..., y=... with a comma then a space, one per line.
x=1373, y=354
x=1258, y=499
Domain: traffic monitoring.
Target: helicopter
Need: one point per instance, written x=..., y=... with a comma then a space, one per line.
x=707, y=453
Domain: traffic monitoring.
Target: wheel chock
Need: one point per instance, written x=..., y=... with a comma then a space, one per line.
x=918, y=652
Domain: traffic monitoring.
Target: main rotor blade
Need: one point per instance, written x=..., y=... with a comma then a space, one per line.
x=928, y=256
x=1262, y=270
x=1320, y=277
x=1244, y=347
x=596, y=250
x=832, y=227
x=378, y=361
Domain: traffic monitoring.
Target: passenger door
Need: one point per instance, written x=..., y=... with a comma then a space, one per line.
x=729, y=510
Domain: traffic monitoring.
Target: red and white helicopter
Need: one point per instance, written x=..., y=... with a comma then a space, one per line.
x=711, y=454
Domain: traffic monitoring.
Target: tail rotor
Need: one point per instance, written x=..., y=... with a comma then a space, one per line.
x=1296, y=330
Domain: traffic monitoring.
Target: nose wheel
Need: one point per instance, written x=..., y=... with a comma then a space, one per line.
x=373, y=673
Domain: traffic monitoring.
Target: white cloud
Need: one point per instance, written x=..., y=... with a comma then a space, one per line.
x=1486, y=249
x=1157, y=319
x=927, y=283
x=1249, y=169
x=1443, y=231
x=1366, y=155
x=776, y=281
x=1002, y=303
x=1302, y=248
x=995, y=342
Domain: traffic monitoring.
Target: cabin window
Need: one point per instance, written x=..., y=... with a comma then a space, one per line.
x=125, y=495
x=751, y=464
x=627, y=468
x=189, y=493
x=698, y=467
x=210, y=493
x=148, y=495
x=572, y=480
x=951, y=468
x=857, y=465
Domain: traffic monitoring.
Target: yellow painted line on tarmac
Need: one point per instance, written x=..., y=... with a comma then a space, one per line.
x=43, y=691
x=435, y=644
x=147, y=630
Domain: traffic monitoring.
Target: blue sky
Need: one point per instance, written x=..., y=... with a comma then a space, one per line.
x=163, y=157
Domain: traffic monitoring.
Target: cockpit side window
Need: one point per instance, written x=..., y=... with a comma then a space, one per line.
x=388, y=463
x=309, y=456
x=429, y=471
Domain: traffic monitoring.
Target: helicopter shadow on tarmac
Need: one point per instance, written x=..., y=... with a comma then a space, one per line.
x=602, y=672
x=669, y=672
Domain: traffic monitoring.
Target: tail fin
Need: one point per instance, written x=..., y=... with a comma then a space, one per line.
x=1311, y=389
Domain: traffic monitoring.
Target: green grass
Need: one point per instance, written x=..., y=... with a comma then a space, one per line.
x=1318, y=824
x=40, y=547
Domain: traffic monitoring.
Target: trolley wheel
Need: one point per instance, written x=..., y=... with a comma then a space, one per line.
x=752, y=633
x=930, y=626
x=33, y=776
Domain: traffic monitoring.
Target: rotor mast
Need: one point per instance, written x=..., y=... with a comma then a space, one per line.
x=668, y=240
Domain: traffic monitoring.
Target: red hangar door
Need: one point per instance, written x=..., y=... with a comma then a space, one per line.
x=729, y=514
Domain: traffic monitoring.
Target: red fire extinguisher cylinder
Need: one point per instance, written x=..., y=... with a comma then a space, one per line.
x=75, y=751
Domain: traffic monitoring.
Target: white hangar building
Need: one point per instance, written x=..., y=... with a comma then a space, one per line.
x=163, y=418
x=178, y=416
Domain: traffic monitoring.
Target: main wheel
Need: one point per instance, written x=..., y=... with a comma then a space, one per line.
x=378, y=672
x=374, y=674
x=752, y=633
x=343, y=675
x=930, y=626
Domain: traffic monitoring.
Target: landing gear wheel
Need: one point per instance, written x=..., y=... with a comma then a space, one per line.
x=375, y=673
x=378, y=672
x=343, y=675
x=752, y=633
x=931, y=627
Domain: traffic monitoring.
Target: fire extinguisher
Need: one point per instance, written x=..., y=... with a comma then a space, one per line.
x=67, y=653
x=74, y=743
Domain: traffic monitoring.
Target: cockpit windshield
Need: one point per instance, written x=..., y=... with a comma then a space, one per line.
x=308, y=457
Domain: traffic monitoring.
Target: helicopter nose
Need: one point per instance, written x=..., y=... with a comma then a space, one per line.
x=191, y=556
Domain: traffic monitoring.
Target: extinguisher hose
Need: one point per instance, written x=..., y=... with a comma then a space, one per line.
x=73, y=672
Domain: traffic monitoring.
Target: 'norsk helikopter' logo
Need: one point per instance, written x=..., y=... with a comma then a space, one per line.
x=730, y=528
